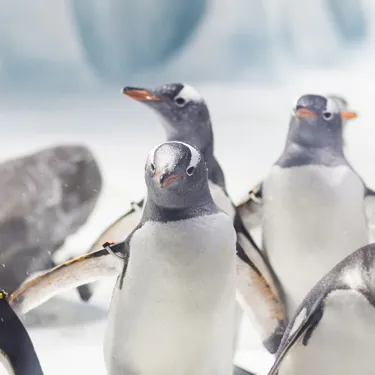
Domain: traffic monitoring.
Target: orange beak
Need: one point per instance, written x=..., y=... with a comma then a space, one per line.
x=164, y=182
x=304, y=113
x=348, y=115
x=139, y=94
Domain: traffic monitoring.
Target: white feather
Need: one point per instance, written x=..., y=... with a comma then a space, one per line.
x=314, y=217
x=176, y=310
x=189, y=94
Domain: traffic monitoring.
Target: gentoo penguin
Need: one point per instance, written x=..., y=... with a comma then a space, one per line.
x=311, y=206
x=177, y=293
x=333, y=330
x=17, y=353
x=186, y=118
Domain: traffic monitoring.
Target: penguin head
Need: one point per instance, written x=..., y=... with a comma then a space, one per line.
x=183, y=111
x=318, y=121
x=176, y=175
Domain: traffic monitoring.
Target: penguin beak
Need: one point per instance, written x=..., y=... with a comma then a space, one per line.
x=139, y=94
x=302, y=112
x=166, y=178
x=348, y=115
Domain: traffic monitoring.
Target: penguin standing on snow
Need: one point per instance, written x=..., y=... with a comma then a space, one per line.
x=312, y=205
x=174, y=304
x=333, y=330
x=17, y=353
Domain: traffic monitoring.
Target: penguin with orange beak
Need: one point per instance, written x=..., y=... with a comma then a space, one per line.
x=313, y=208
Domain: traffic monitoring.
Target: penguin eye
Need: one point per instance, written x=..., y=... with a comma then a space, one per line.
x=152, y=167
x=190, y=171
x=180, y=101
x=327, y=115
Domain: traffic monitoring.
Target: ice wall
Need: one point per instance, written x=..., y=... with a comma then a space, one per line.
x=68, y=44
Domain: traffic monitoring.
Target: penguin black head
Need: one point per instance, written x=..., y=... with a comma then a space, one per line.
x=176, y=176
x=318, y=121
x=183, y=110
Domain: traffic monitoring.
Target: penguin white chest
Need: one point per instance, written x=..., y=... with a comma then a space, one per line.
x=221, y=199
x=314, y=216
x=175, y=312
x=341, y=344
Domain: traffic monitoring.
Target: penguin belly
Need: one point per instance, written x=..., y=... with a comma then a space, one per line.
x=314, y=216
x=341, y=344
x=175, y=313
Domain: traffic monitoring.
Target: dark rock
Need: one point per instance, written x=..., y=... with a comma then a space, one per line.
x=45, y=197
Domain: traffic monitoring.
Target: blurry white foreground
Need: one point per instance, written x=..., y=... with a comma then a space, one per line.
x=250, y=128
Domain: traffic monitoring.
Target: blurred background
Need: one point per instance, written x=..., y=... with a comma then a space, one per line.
x=63, y=64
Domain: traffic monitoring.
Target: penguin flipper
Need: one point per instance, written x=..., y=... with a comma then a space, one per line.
x=260, y=297
x=17, y=352
x=300, y=328
x=117, y=231
x=71, y=274
x=250, y=208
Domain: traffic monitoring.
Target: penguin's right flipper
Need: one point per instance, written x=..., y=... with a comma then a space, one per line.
x=117, y=232
x=250, y=208
x=259, y=292
x=79, y=271
x=17, y=352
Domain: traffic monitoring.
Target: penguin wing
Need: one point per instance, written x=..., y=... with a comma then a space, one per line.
x=17, y=352
x=299, y=329
x=117, y=232
x=71, y=274
x=258, y=290
x=250, y=208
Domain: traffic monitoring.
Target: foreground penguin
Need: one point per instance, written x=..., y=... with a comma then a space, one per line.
x=312, y=205
x=333, y=330
x=173, y=307
x=174, y=303
x=17, y=353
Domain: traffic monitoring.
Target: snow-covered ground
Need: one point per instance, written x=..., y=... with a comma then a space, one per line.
x=250, y=126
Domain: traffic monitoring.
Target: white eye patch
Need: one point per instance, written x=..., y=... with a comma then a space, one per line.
x=188, y=93
x=195, y=155
x=332, y=106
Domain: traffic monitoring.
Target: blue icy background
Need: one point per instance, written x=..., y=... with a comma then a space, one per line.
x=69, y=44
x=63, y=63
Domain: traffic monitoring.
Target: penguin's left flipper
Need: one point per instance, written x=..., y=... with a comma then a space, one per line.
x=71, y=274
x=17, y=353
x=259, y=292
x=250, y=208
x=299, y=329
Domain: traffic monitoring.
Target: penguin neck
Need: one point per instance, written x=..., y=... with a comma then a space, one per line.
x=202, y=206
x=314, y=149
x=296, y=154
